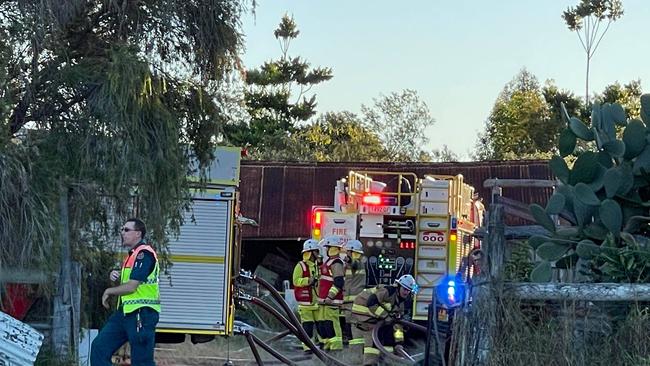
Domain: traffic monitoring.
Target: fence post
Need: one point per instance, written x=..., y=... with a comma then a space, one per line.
x=489, y=283
x=63, y=307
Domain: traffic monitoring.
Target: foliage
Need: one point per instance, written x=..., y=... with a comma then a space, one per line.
x=627, y=95
x=445, y=154
x=336, y=136
x=605, y=193
x=519, y=124
x=519, y=264
x=106, y=100
x=555, y=97
x=273, y=115
x=527, y=121
x=400, y=120
x=587, y=18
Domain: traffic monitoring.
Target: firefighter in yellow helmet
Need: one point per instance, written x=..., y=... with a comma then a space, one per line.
x=378, y=303
x=355, y=282
x=305, y=278
x=330, y=294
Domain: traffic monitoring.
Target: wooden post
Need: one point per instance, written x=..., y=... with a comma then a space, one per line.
x=75, y=301
x=496, y=243
x=488, y=284
x=62, y=322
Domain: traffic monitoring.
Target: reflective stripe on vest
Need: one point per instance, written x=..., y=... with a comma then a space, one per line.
x=147, y=294
x=326, y=282
x=304, y=293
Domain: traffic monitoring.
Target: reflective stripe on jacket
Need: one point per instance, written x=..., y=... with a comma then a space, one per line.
x=355, y=282
x=147, y=294
x=326, y=286
x=303, y=273
x=388, y=302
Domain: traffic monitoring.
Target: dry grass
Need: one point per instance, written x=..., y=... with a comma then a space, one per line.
x=578, y=333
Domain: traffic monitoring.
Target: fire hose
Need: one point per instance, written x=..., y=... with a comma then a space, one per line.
x=291, y=321
x=403, y=355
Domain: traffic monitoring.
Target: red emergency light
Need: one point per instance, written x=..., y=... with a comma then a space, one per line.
x=316, y=224
x=407, y=245
x=371, y=199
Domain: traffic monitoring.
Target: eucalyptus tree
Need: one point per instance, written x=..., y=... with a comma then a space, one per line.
x=400, y=120
x=107, y=100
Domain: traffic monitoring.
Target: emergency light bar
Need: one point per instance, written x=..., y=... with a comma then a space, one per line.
x=371, y=199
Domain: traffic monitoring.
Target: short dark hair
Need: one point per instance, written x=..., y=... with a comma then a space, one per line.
x=138, y=225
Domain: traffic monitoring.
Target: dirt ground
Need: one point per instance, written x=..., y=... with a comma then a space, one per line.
x=222, y=350
x=237, y=350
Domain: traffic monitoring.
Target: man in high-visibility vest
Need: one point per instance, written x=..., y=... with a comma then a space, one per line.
x=377, y=303
x=305, y=278
x=355, y=282
x=330, y=294
x=138, y=304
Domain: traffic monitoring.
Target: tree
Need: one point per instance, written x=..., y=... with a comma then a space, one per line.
x=519, y=125
x=627, y=95
x=445, y=154
x=400, y=120
x=555, y=97
x=106, y=100
x=337, y=136
x=587, y=18
x=273, y=114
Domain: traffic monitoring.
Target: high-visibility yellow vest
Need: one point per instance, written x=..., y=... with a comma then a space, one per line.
x=147, y=294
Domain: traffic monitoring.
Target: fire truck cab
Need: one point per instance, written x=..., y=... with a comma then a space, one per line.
x=408, y=225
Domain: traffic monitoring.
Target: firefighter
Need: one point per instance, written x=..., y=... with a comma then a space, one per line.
x=330, y=294
x=355, y=282
x=305, y=278
x=378, y=303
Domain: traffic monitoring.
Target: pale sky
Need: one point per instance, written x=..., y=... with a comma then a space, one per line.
x=457, y=55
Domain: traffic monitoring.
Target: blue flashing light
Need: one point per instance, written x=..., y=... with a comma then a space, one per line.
x=450, y=292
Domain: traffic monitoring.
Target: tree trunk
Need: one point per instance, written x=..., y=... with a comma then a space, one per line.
x=587, y=82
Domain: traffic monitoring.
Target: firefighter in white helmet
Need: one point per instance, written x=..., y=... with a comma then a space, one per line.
x=305, y=279
x=330, y=294
x=378, y=303
x=355, y=282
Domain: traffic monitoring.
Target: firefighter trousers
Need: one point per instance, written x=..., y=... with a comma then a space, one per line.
x=347, y=325
x=370, y=353
x=309, y=315
x=329, y=327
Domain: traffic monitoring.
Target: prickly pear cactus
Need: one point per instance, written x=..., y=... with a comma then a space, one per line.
x=605, y=194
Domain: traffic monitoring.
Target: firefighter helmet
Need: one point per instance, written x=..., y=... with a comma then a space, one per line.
x=332, y=241
x=354, y=246
x=408, y=282
x=309, y=245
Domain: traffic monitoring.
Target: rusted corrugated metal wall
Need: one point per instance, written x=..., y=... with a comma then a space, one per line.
x=279, y=195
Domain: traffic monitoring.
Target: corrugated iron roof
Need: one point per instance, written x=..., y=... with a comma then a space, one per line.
x=279, y=195
x=19, y=343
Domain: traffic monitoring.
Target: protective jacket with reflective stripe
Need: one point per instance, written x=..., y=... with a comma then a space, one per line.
x=303, y=274
x=388, y=301
x=147, y=294
x=330, y=270
x=355, y=281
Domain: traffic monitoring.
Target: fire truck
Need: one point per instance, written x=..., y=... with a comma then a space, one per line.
x=408, y=225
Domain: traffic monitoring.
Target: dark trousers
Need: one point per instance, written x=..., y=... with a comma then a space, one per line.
x=120, y=329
